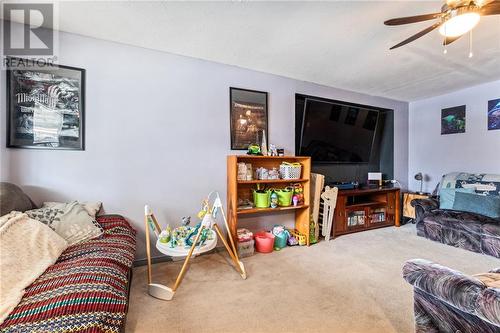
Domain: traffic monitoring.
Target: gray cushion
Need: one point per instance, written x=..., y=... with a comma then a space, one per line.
x=447, y=196
x=13, y=198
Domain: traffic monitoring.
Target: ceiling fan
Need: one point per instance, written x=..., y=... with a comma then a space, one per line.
x=456, y=18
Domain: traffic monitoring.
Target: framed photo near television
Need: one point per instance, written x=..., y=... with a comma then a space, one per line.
x=46, y=108
x=248, y=117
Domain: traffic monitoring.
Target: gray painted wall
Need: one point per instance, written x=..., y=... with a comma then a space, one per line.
x=476, y=150
x=157, y=131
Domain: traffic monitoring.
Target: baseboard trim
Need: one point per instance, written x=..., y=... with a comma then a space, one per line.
x=160, y=259
x=154, y=260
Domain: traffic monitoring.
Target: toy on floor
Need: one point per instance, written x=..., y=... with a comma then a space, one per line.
x=280, y=237
x=300, y=238
x=329, y=197
x=187, y=241
x=292, y=241
x=246, y=243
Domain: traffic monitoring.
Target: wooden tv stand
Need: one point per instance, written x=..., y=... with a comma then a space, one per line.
x=365, y=209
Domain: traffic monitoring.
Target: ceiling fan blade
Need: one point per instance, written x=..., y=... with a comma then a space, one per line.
x=417, y=35
x=492, y=8
x=412, y=19
x=482, y=3
x=449, y=40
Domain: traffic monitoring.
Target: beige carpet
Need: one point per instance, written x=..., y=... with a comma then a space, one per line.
x=350, y=284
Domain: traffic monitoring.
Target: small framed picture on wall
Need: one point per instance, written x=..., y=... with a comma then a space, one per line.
x=248, y=117
x=494, y=114
x=453, y=120
x=46, y=107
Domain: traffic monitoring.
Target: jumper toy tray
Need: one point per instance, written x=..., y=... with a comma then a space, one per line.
x=198, y=243
x=182, y=251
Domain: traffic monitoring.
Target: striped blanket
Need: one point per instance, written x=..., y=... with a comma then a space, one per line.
x=85, y=290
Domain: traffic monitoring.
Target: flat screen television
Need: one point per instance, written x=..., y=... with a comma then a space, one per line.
x=337, y=133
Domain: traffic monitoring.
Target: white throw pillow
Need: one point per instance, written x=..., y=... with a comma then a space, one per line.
x=71, y=221
x=91, y=207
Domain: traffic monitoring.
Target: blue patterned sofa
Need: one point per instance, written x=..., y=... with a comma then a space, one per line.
x=447, y=301
x=470, y=230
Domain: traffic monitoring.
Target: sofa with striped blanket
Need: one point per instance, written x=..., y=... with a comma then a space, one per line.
x=86, y=290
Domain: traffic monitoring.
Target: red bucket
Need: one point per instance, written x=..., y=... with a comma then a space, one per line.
x=264, y=242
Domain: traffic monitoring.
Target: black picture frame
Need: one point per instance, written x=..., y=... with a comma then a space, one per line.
x=453, y=120
x=70, y=122
x=494, y=114
x=250, y=124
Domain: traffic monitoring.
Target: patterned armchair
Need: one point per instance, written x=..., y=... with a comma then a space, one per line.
x=447, y=301
x=468, y=230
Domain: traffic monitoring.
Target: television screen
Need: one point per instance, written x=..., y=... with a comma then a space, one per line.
x=337, y=133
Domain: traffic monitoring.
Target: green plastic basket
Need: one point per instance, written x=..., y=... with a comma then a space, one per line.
x=262, y=199
x=284, y=197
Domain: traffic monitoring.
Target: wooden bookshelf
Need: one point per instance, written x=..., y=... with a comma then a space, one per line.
x=242, y=189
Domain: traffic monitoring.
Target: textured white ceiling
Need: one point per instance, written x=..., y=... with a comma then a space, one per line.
x=338, y=44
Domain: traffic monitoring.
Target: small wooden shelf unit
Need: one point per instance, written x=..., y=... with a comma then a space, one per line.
x=242, y=189
x=364, y=209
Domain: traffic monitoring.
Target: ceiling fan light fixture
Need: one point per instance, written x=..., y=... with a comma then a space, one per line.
x=459, y=24
x=457, y=17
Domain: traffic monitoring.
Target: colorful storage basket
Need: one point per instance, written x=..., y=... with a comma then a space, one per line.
x=290, y=170
x=300, y=237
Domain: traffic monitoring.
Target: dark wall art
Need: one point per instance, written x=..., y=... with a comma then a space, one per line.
x=352, y=116
x=494, y=114
x=248, y=117
x=46, y=108
x=453, y=120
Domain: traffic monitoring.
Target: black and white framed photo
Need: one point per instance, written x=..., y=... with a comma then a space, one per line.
x=46, y=108
x=248, y=117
